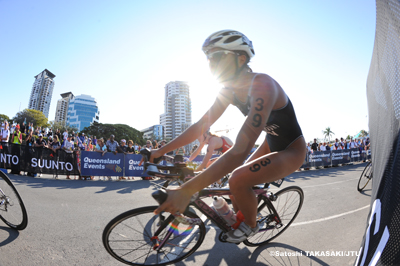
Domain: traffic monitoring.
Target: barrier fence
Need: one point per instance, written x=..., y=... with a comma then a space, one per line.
x=42, y=160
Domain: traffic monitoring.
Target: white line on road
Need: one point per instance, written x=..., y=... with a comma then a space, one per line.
x=330, y=217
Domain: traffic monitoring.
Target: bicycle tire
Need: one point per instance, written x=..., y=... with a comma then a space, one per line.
x=126, y=242
x=287, y=204
x=365, y=177
x=12, y=208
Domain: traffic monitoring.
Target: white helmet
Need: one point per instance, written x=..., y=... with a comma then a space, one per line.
x=229, y=40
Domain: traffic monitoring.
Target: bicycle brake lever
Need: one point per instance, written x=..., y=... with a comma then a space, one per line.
x=160, y=196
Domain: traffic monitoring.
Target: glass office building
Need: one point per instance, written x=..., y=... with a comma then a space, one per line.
x=82, y=111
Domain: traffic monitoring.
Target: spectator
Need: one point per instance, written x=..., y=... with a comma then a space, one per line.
x=89, y=146
x=23, y=127
x=50, y=133
x=148, y=145
x=82, y=138
x=69, y=148
x=322, y=147
x=55, y=145
x=367, y=144
x=112, y=145
x=58, y=134
x=353, y=144
x=162, y=144
x=29, y=143
x=16, y=139
x=65, y=135
x=136, y=147
x=327, y=147
x=94, y=141
x=123, y=146
x=40, y=143
x=5, y=132
x=101, y=147
x=314, y=146
x=308, y=147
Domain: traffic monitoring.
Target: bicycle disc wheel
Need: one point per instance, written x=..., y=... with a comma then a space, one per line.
x=365, y=177
x=287, y=204
x=128, y=237
x=12, y=208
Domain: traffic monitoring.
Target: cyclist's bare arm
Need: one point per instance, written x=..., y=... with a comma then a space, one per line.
x=263, y=98
x=192, y=133
x=196, y=151
x=212, y=144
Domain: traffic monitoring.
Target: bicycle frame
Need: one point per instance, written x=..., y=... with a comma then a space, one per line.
x=212, y=215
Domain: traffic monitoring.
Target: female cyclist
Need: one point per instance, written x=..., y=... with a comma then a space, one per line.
x=267, y=107
x=215, y=144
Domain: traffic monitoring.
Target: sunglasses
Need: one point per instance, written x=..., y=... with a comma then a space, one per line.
x=218, y=55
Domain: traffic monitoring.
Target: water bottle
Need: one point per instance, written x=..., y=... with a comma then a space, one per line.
x=224, y=211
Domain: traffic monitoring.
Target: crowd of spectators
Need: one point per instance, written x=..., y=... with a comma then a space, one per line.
x=343, y=144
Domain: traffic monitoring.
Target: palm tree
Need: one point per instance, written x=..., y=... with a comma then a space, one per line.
x=327, y=133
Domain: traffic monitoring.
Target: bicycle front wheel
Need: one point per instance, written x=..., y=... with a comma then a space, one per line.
x=274, y=221
x=365, y=177
x=12, y=208
x=130, y=237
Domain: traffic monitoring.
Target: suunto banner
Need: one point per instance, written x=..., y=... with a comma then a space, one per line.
x=25, y=158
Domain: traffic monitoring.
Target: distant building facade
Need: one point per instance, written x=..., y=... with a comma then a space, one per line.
x=82, y=111
x=62, y=107
x=177, y=116
x=154, y=132
x=42, y=91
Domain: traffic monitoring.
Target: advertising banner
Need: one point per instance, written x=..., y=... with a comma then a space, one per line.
x=319, y=158
x=25, y=158
x=132, y=167
x=340, y=157
x=94, y=164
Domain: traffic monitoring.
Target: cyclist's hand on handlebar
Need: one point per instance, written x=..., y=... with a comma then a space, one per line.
x=155, y=153
x=177, y=201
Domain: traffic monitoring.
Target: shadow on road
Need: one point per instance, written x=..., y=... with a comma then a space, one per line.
x=123, y=187
x=12, y=235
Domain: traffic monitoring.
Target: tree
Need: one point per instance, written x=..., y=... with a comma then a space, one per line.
x=363, y=133
x=327, y=133
x=120, y=131
x=3, y=118
x=62, y=127
x=31, y=116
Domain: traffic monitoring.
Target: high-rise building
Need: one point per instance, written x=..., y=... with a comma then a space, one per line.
x=82, y=112
x=42, y=91
x=62, y=107
x=177, y=115
x=154, y=132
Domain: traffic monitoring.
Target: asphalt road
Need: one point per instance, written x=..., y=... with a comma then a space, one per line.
x=67, y=218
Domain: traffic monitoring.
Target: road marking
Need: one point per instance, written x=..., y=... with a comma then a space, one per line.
x=330, y=217
x=330, y=183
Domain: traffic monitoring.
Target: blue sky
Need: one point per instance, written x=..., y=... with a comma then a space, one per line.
x=124, y=52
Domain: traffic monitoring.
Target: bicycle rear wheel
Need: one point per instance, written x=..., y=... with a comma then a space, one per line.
x=12, y=208
x=365, y=177
x=128, y=237
x=287, y=204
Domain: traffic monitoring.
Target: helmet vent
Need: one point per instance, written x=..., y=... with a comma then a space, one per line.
x=232, y=39
x=214, y=41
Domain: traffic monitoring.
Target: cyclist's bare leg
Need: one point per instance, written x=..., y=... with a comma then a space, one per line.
x=265, y=169
x=261, y=151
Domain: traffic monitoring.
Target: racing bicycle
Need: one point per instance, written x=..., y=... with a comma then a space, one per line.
x=365, y=177
x=12, y=208
x=139, y=237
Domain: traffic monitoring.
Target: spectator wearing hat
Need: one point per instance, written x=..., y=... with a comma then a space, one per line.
x=123, y=146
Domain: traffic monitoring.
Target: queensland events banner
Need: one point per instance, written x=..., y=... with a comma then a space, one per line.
x=336, y=157
x=25, y=158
